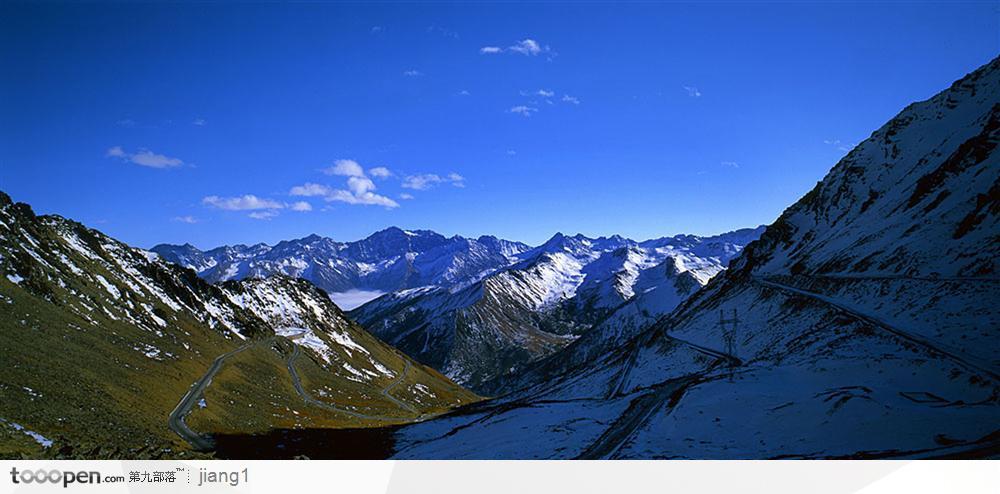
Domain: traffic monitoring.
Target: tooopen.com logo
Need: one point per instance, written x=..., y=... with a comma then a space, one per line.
x=42, y=476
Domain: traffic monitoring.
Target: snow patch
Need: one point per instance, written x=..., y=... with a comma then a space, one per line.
x=305, y=337
x=113, y=290
x=40, y=439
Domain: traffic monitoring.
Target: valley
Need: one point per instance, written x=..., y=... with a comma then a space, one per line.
x=861, y=323
x=478, y=310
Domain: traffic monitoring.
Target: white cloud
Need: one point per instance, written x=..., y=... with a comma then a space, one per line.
x=511, y=152
x=263, y=215
x=730, y=164
x=367, y=198
x=427, y=180
x=528, y=46
x=186, y=219
x=310, y=190
x=127, y=122
x=523, y=110
x=547, y=95
x=570, y=99
x=148, y=158
x=412, y=73
x=464, y=92
x=260, y=208
x=360, y=188
x=144, y=157
x=345, y=168
x=421, y=182
x=360, y=185
x=377, y=29
x=692, y=91
x=200, y=122
x=245, y=202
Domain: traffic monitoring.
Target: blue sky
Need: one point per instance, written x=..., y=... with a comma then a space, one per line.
x=216, y=124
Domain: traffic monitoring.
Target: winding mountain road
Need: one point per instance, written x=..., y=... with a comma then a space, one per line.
x=666, y=394
x=969, y=363
x=297, y=382
x=638, y=413
x=618, y=389
x=903, y=277
x=175, y=421
x=385, y=391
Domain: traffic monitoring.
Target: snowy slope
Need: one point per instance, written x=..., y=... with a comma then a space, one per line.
x=97, y=277
x=658, y=291
x=297, y=309
x=867, y=325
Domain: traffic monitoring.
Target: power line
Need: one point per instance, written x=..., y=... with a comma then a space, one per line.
x=729, y=328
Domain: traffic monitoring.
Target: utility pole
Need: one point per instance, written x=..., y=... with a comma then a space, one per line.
x=729, y=328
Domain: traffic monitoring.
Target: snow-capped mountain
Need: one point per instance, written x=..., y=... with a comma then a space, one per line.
x=551, y=295
x=862, y=324
x=95, y=332
x=656, y=293
x=386, y=261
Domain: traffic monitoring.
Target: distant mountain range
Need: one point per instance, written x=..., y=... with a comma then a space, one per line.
x=388, y=260
x=545, y=299
x=479, y=309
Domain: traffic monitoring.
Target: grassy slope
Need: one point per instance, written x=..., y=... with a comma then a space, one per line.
x=94, y=395
x=76, y=363
x=253, y=393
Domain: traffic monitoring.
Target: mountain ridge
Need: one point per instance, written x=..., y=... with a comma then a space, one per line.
x=387, y=260
x=91, y=328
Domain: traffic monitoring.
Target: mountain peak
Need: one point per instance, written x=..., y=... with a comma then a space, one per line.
x=397, y=232
x=392, y=230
